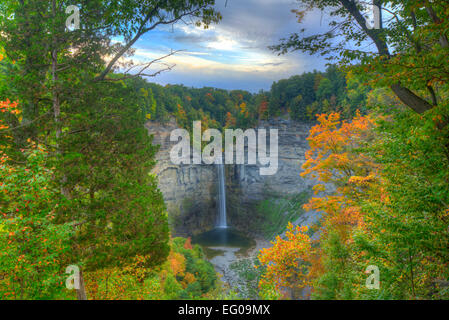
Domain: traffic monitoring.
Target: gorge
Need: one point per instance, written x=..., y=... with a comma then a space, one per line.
x=192, y=194
x=200, y=199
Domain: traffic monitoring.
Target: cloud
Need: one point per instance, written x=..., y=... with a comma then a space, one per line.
x=234, y=53
x=205, y=63
x=272, y=64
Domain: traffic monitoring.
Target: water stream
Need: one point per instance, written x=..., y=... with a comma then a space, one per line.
x=222, y=220
x=224, y=245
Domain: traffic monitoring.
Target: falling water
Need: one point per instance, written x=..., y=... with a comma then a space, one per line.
x=221, y=197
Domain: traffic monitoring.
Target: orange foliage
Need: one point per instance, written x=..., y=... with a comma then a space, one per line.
x=210, y=97
x=188, y=244
x=285, y=259
x=230, y=120
x=331, y=160
x=263, y=109
x=177, y=263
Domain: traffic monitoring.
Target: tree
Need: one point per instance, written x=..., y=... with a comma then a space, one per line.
x=286, y=261
x=34, y=245
x=304, y=96
x=406, y=211
x=388, y=207
x=78, y=56
x=96, y=140
x=333, y=159
x=411, y=45
x=115, y=202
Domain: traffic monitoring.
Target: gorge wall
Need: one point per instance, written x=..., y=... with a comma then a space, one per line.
x=256, y=201
x=190, y=191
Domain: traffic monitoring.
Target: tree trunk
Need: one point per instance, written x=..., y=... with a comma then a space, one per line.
x=406, y=96
x=81, y=292
x=56, y=100
x=410, y=99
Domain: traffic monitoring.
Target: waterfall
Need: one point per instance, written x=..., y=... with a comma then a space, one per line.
x=222, y=223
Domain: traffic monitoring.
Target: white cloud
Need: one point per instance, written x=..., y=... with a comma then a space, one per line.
x=234, y=53
x=223, y=43
x=186, y=61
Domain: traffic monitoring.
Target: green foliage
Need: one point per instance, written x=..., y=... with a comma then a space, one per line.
x=275, y=213
x=209, y=105
x=33, y=246
x=90, y=120
x=408, y=235
x=268, y=292
x=106, y=170
x=315, y=92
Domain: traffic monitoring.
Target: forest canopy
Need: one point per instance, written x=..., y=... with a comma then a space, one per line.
x=76, y=161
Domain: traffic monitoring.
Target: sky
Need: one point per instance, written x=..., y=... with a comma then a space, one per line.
x=233, y=54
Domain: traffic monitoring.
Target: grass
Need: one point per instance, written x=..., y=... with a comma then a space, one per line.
x=275, y=213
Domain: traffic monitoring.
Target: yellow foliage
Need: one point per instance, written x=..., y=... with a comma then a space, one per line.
x=177, y=263
x=284, y=260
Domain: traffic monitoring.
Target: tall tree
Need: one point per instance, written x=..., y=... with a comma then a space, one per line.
x=90, y=120
x=411, y=42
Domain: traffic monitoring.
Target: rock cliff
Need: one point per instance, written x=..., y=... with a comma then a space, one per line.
x=291, y=155
x=247, y=188
x=190, y=190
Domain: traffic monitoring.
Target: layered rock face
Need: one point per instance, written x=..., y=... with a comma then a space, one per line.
x=247, y=187
x=190, y=191
x=292, y=146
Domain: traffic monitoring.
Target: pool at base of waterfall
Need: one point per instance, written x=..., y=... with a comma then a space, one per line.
x=222, y=239
x=224, y=246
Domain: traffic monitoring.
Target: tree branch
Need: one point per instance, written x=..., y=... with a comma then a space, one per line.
x=443, y=38
x=27, y=123
x=142, y=30
x=145, y=66
x=407, y=97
